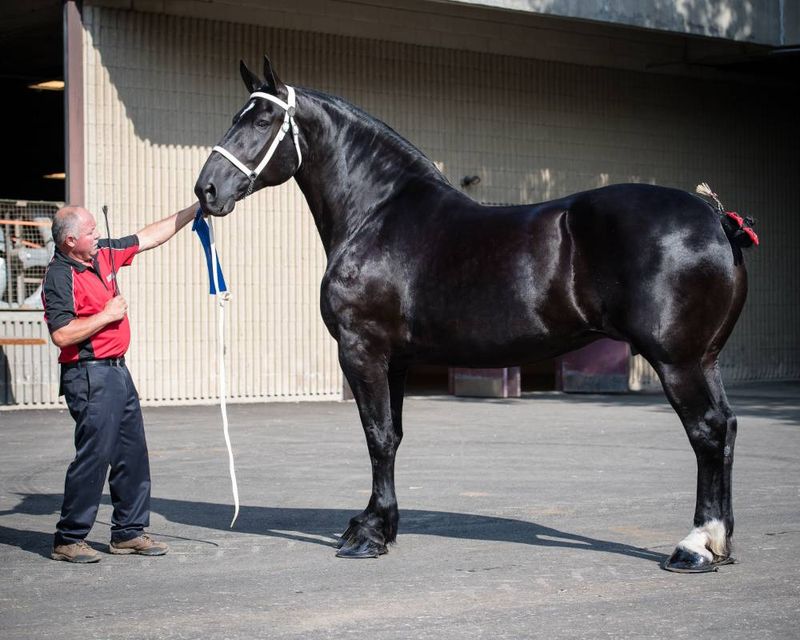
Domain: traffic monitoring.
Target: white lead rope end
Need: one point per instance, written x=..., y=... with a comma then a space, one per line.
x=222, y=297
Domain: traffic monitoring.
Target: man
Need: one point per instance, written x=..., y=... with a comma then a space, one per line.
x=87, y=319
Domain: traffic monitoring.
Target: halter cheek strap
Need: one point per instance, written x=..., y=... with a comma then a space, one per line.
x=289, y=123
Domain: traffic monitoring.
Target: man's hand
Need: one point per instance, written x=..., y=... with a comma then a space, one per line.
x=79, y=329
x=116, y=308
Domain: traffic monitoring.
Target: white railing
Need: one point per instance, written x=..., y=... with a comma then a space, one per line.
x=28, y=360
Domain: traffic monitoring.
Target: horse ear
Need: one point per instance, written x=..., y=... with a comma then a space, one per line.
x=271, y=78
x=251, y=80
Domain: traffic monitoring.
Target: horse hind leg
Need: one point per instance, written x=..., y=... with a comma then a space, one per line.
x=378, y=393
x=696, y=393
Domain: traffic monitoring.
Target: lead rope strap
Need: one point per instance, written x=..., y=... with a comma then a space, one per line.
x=222, y=297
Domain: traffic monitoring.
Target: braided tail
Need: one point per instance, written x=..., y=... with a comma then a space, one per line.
x=739, y=229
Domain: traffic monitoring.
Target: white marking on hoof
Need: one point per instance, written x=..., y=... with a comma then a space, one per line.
x=708, y=541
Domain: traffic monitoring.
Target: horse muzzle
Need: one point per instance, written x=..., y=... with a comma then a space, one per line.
x=211, y=202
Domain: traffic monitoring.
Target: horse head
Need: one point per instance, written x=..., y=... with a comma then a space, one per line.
x=252, y=154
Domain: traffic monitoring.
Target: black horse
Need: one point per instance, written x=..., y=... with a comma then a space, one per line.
x=419, y=272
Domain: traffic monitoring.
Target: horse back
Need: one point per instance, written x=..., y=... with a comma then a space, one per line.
x=439, y=276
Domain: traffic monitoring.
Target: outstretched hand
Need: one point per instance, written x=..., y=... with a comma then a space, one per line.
x=116, y=308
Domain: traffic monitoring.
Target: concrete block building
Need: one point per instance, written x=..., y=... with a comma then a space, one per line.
x=536, y=99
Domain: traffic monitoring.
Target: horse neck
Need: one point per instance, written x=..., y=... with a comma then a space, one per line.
x=352, y=164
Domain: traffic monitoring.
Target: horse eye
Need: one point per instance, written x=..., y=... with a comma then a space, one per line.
x=261, y=123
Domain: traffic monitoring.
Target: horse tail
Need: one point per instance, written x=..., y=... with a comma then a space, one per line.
x=738, y=229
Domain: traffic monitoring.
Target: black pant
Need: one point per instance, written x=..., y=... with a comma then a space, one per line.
x=109, y=430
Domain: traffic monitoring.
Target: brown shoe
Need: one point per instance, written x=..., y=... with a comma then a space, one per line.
x=78, y=552
x=144, y=545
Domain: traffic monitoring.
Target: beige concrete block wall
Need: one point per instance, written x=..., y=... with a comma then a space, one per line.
x=157, y=99
x=160, y=91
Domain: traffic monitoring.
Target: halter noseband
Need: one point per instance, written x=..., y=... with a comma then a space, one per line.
x=288, y=123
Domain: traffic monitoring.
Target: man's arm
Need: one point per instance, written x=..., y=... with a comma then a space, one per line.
x=159, y=232
x=80, y=329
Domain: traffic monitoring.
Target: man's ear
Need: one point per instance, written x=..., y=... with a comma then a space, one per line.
x=251, y=80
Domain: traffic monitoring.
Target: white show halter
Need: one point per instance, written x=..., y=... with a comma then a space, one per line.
x=288, y=123
x=222, y=298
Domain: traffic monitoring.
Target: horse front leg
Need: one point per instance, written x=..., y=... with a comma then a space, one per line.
x=378, y=393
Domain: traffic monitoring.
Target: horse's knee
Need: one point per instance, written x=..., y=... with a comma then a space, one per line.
x=383, y=444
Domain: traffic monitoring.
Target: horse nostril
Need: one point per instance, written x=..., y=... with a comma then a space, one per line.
x=210, y=192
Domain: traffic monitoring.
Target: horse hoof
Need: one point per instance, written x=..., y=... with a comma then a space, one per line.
x=361, y=549
x=685, y=561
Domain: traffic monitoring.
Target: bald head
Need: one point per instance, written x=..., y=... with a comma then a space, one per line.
x=67, y=222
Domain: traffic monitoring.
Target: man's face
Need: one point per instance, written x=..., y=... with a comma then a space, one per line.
x=84, y=244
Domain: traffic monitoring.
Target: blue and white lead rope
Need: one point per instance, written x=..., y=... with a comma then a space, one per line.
x=218, y=288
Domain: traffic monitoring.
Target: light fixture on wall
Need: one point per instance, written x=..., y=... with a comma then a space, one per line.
x=468, y=181
x=55, y=176
x=48, y=85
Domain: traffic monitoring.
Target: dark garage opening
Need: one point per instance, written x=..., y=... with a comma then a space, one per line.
x=35, y=170
x=31, y=52
x=32, y=83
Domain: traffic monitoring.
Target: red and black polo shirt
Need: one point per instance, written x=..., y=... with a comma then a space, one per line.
x=73, y=290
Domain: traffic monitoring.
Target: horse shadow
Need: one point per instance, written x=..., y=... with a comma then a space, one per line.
x=322, y=526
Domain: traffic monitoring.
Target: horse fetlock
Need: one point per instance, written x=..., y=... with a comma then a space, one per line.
x=383, y=516
x=704, y=549
x=364, y=538
x=710, y=540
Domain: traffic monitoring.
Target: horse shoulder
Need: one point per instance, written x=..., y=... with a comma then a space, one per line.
x=362, y=290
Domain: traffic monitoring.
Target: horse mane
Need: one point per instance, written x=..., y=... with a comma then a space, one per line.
x=416, y=159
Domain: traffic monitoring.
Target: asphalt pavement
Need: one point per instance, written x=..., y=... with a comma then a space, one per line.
x=540, y=517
